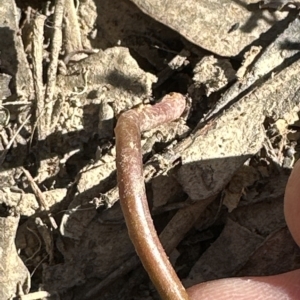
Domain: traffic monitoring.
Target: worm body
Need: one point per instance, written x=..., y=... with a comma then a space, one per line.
x=132, y=191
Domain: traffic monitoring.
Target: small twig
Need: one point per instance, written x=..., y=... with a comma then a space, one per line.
x=72, y=35
x=3, y=155
x=132, y=191
x=37, y=63
x=47, y=237
x=35, y=296
x=181, y=223
x=68, y=155
x=69, y=56
x=40, y=244
x=17, y=103
x=40, y=197
x=127, y=266
x=52, y=70
x=178, y=62
x=36, y=267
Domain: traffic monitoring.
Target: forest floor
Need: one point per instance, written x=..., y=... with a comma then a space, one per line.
x=215, y=178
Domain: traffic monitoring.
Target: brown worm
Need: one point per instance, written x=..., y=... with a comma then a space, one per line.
x=132, y=191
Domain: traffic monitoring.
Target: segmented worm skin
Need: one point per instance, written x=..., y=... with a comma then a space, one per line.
x=132, y=191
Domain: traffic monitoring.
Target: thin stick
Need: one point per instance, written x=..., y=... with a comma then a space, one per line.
x=37, y=63
x=125, y=268
x=132, y=192
x=72, y=35
x=3, y=155
x=35, y=296
x=40, y=197
x=52, y=70
x=40, y=244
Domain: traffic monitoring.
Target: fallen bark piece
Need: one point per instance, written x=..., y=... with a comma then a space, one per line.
x=226, y=142
x=111, y=77
x=269, y=62
x=200, y=22
x=247, y=229
x=218, y=262
x=132, y=191
x=281, y=247
x=26, y=204
x=12, y=55
x=4, y=86
x=12, y=272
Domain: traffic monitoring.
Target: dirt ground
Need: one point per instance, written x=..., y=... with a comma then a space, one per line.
x=214, y=178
